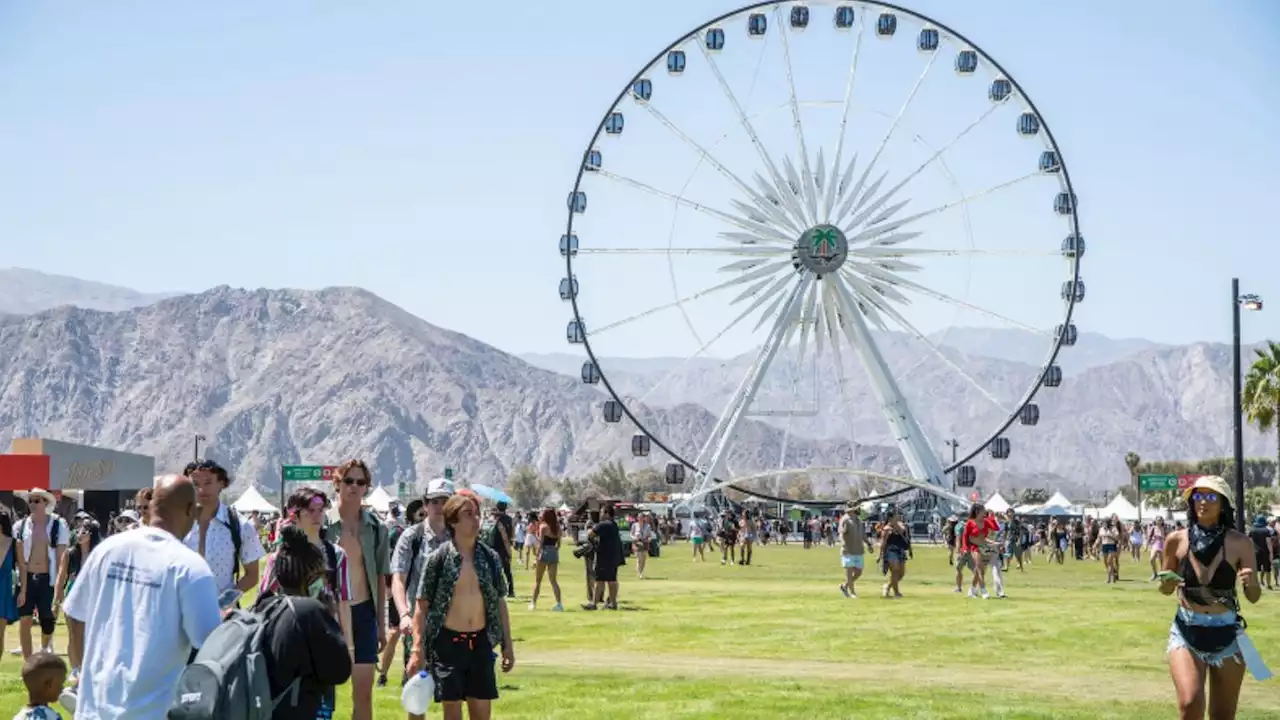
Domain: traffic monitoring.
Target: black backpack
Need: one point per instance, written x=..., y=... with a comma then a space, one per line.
x=233, y=527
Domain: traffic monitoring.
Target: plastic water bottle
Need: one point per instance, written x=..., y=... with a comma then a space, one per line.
x=418, y=693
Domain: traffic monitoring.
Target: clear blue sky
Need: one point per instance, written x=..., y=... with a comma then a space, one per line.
x=167, y=146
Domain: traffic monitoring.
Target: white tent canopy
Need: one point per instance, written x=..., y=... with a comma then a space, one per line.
x=997, y=504
x=252, y=501
x=1120, y=507
x=379, y=500
x=1058, y=500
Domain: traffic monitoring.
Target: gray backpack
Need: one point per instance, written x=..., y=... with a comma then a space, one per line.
x=228, y=678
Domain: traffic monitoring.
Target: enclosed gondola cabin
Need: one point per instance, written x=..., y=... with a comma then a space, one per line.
x=675, y=473
x=799, y=17
x=612, y=411
x=641, y=90
x=614, y=123
x=578, y=202
x=1029, y=415
x=715, y=39
x=1049, y=162
x=886, y=25
x=594, y=160
x=1073, y=291
x=590, y=373
x=928, y=40
x=1067, y=334
x=1028, y=124
x=675, y=62
x=966, y=476
x=1000, y=448
x=568, y=288
x=1000, y=90
x=575, y=333
x=640, y=445
x=843, y=19
x=1064, y=203
x=1052, y=376
x=966, y=62
x=757, y=25
x=569, y=245
x=1073, y=246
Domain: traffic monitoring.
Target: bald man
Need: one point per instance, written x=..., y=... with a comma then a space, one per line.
x=145, y=576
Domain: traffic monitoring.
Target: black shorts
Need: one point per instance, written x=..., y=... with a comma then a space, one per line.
x=606, y=571
x=462, y=666
x=393, y=613
x=1263, y=562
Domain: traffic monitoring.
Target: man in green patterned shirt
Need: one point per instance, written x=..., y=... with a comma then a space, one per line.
x=461, y=616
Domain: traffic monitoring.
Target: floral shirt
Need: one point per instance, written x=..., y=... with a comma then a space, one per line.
x=440, y=574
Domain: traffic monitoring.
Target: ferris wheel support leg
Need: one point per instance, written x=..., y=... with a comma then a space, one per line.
x=921, y=460
x=721, y=438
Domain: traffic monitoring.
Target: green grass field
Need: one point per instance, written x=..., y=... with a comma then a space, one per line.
x=778, y=640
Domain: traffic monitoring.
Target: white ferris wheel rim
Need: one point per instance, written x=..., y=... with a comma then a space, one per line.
x=845, y=295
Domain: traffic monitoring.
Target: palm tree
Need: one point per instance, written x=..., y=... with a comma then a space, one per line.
x=1132, y=461
x=1261, y=397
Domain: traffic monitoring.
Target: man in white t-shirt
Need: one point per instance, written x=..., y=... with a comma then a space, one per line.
x=139, y=605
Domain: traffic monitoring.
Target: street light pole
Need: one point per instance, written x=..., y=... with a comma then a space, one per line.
x=1249, y=302
x=955, y=445
x=196, y=456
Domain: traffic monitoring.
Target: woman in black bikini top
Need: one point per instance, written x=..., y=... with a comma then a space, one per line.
x=1206, y=640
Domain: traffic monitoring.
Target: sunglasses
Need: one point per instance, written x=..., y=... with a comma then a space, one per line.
x=437, y=501
x=35, y=501
x=362, y=482
x=1204, y=497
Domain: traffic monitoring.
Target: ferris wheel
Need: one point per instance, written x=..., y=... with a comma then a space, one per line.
x=806, y=212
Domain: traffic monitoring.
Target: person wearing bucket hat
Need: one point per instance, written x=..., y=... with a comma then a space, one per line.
x=1261, y=535
x=1203, y=564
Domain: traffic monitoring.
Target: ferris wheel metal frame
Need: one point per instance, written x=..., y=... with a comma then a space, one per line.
x=928, y=470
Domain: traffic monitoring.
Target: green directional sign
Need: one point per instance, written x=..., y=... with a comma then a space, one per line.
x=1153, y=482
x=303, y=473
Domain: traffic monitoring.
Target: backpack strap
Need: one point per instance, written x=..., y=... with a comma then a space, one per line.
x=233, y=526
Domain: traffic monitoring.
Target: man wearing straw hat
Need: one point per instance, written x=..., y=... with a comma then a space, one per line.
x=42, y=539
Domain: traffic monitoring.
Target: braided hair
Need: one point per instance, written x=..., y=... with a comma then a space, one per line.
x=298, y=562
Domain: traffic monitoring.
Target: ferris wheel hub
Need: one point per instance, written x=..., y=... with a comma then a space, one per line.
x=821, y=250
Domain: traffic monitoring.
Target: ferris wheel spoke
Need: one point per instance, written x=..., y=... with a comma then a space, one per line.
x=760, y=201
x=937, y=154
x=878, y=230
x=755, y=228
x=903, y=283
x=593, y=332
x=807, y=319
x=902, y=322
x=886, y=250
x=715, y=448
x=774, y=214
x=762, y=252
x=836, y=186
x=919, y=455
x=807, y=188
x=745, y=121
x=781, y=194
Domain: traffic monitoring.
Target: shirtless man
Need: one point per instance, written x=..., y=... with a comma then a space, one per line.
x=38, y=557
x=364, y=540
x=457, y=623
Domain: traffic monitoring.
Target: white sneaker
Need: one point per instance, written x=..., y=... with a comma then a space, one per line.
x=532, y=607
x=985, y=596
x=68, y=700
x=973, y=593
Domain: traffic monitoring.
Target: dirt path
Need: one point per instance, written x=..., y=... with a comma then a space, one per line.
x=1058, y=682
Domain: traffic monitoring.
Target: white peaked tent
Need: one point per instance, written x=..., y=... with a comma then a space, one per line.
x=252, y=501
x=1120, y=507
x=997, y=504
x=1058, y=500
x=379, y=500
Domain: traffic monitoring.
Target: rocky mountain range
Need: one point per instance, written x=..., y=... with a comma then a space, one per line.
x=276, y=377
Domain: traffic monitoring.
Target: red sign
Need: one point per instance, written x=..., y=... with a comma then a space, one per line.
x=23, y=472
x=1186, y=481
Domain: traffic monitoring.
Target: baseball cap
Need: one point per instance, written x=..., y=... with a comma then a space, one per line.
x=439, y=488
